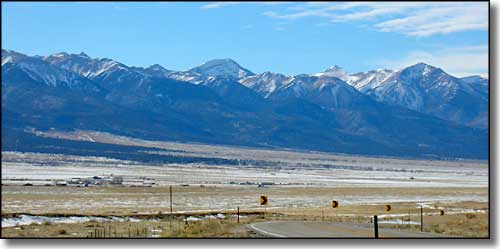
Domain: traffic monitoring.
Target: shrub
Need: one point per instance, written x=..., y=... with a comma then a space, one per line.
x=470, y=216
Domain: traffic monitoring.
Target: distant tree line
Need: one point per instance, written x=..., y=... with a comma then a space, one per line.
x=15, y=140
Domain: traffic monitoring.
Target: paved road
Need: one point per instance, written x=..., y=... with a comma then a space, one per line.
x=302, y=229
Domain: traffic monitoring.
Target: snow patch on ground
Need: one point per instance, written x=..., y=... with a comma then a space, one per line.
x=30, y=219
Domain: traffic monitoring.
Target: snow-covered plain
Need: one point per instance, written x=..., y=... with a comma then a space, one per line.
x=291, y=173
x=293, y=169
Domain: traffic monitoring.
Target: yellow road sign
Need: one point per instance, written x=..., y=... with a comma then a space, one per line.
x=263, y=200
x=335, y=204
x=441, y=212
x=388, y=208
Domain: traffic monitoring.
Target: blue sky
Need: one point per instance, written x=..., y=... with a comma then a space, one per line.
x=284, y=37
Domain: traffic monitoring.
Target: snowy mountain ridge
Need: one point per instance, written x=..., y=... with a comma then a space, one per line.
x=419, y=87
x=44, y=72
x=212, y=104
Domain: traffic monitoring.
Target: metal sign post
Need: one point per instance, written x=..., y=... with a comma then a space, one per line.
x=264, y=201
x=335, y=204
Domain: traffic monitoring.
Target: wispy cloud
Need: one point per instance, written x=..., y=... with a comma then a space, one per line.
x=409, y=18
x=248, y=26
x=217, y=5
x=439, y=20
x=458, y=61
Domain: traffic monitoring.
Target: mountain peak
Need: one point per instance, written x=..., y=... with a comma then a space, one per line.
x=7, y=52
x=222, y=67
x=334, y=71
x=222, y=62
x=334, y=67
x=226, y=60
x=64, y=54
x=60, y=54
x=84, y=65
x=10, y=56
x=420, y=69
x=82, y=54
x=156, y=67
x=422, y=66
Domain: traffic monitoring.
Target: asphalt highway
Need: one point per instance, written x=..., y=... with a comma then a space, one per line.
x=308, y=229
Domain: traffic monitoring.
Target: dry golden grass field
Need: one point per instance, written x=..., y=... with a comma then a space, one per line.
x=463, y=219
x=205, y=197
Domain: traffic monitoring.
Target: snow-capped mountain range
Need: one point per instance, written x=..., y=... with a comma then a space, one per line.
x=221, y=101
x=420, y=87
x=42, y=71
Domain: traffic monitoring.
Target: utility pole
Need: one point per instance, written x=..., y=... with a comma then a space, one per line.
x=170, y=200
x=171, y=213
x=375, y=226
x=409, y=216
x=238, y=214
x=421, y=219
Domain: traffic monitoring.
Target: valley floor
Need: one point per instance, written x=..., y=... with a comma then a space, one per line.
x=37, y=201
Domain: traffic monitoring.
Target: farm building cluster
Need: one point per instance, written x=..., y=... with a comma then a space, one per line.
x=94, y=181
x=111, y=180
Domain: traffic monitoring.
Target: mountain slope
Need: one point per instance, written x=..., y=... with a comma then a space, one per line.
x=478, y=83
x=371, y=79
x=302, y=112
x=234, y=93
x=28, y=102
x=266, y=83
x=35, y=69
x=328, y=92
x=430, y=90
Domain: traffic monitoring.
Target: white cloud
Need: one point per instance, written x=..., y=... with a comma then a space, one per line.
x=296, y=15
x=217, y=5
x=365, y=14
x=442, y=20
x=275, y=3
x=457, y=61
x=409, y=18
